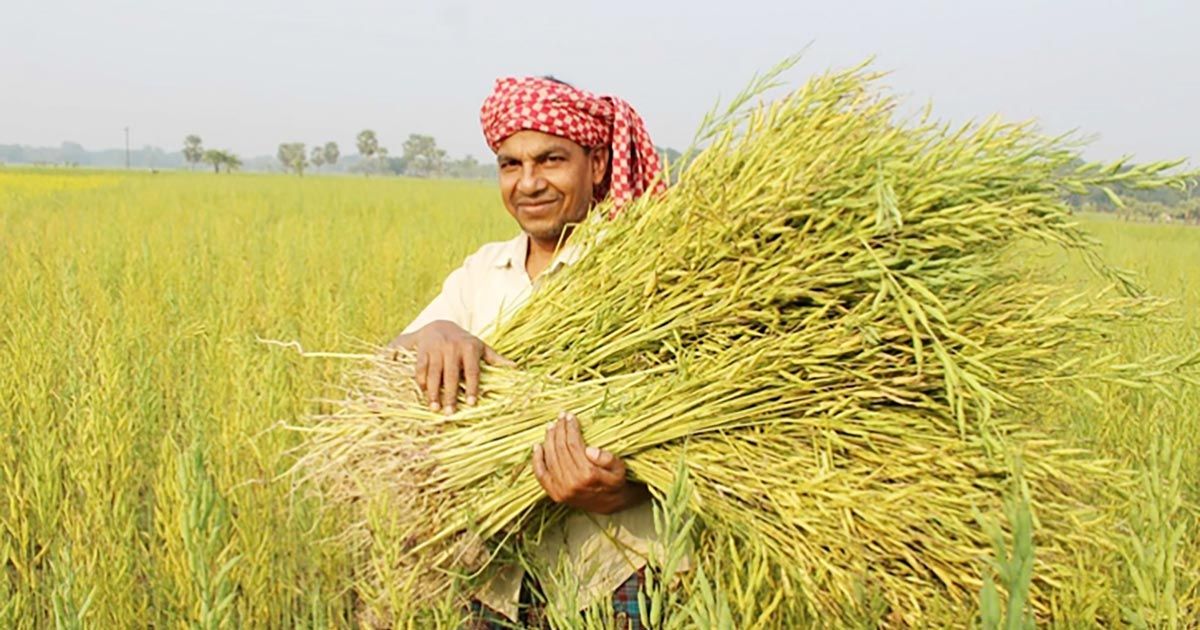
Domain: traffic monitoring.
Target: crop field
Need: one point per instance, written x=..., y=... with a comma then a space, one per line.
x=142, y=443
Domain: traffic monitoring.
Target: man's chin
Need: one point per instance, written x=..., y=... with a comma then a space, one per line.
x=548, y=232
x=547, y=236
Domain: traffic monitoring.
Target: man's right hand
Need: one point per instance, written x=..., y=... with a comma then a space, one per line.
x=446, y=355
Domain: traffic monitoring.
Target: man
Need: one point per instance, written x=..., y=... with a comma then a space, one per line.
x=559, y=150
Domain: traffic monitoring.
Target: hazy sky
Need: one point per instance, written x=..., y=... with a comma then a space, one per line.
x=248, y=75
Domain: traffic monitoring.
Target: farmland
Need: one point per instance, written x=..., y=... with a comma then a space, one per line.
x=142, y=453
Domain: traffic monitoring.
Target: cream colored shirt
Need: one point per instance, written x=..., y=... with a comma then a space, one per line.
x=601, y=551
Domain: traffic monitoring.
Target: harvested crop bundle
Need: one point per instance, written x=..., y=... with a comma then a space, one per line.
x=824, y=319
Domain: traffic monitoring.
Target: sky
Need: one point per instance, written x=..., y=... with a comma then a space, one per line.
x=251, y=74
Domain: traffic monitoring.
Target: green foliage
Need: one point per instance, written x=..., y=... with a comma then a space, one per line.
x=70, y=606
x=205, y=530
x=373, y=158
x=293, y=157
x=193, y=152
x=675, y=524
x=219, y=159
x=422, y=157
x=1014, y=567
x=368, y=147
x=367, y=143
x=1156, y=540
x=330, y=153
x=467, y=167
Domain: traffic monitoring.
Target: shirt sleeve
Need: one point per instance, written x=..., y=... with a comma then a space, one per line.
x=449, y=305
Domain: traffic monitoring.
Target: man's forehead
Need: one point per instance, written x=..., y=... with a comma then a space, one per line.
x=531, y=142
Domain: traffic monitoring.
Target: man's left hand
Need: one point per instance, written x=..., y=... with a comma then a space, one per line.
x=581, y=476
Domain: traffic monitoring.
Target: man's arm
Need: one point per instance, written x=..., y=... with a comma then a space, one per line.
x=584, y=477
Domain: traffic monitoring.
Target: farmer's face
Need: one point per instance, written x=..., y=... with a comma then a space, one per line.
x=547, y=182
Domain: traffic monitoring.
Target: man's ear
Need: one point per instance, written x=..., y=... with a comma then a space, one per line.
x=599, y=157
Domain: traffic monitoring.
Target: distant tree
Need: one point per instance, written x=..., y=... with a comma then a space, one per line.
x=368, y=144
x=331, y=153
x=213, y=158
x=232, y=162
x=422, y=157
x=394, y=165
x=193, y=152
x=382, y=160
x=218, y=158
x=485, y=170
x=468, y=167
x=317, y=157
x=293, y=157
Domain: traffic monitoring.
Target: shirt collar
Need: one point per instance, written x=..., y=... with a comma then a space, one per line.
x=515, y=250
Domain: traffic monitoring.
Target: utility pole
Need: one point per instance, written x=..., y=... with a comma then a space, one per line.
x=126, y=148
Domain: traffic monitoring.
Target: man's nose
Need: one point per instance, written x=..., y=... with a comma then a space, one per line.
x=531, y=181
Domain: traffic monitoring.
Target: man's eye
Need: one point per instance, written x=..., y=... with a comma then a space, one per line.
x=557, y=158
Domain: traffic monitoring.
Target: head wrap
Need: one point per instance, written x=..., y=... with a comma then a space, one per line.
x=552, y=107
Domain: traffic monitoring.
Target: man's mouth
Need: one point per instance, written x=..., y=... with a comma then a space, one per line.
x=537, y=207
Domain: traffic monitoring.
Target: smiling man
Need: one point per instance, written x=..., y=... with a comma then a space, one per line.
x=559, y=151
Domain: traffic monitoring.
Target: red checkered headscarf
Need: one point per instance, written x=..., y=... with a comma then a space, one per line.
x=555, y=108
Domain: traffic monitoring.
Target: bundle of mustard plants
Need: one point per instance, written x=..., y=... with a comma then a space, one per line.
x=827, y=318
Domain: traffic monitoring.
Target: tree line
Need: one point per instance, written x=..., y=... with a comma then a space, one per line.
x=420, y=157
